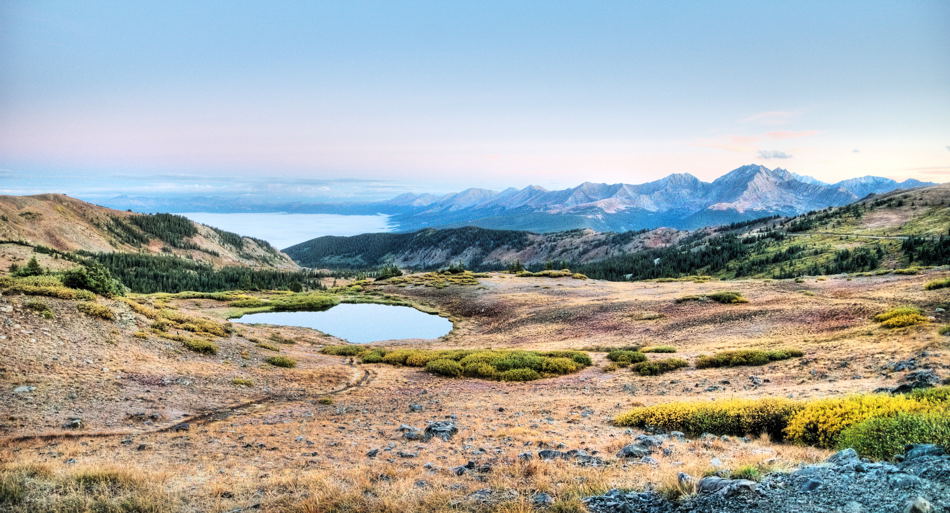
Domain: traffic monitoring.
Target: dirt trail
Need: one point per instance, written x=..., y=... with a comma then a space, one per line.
x=207, y=417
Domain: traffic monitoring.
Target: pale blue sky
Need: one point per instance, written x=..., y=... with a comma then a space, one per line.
x=473, y=93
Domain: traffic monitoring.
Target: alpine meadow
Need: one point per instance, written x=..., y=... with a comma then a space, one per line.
x=473, y=257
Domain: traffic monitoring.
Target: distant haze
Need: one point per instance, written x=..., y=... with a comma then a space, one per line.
x=472, y=94
x=284, y=230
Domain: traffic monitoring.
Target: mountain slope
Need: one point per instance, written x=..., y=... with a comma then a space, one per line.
x=894, y=230
x=476, y=248
x=678, y=201
x=67, y=224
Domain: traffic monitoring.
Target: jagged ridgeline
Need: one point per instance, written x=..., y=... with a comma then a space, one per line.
x=891, y=231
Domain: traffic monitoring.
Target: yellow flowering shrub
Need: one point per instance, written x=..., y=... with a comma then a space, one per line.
x=735, y=417
x=900, y=317
x=821, y=421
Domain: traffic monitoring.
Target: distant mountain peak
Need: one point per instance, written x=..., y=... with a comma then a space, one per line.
x=677, y=200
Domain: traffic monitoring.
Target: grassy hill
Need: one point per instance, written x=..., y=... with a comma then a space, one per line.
x=66, y=224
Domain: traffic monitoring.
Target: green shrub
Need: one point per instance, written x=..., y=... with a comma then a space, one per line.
x=736, y=417
x=521, y=374
x=200, y=346
x=444, y=367
x=325, y=400
x=96, y=310
x=658, y=349
x=607, y=349
x=936, y=395
x=938, y=284
x=309, y=302
x=343, y=350
x=725, y=297
x=487, y=364
x=558, y=366
x=745, y=357
x=578, y=356
x=480, y=370
x=39, y=307
x=886, y=437
x=944, y=330
x=422, y=358
x=895, y=312
x=375, y=356
x=519, y=360
x=657, y=367
x=242, y=382
x=903, y=321
x=398, y=356
x=93, y=277
x=281, y=361
x=269, y=347
x=822, y=420
x=625, y=356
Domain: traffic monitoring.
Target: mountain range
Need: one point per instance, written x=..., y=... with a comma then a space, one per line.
x=677, y=201
x=872, y=233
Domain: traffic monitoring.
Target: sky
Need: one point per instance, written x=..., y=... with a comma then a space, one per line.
x=437, y=96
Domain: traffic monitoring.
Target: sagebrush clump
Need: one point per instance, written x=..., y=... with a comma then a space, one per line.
x=877, y=425
x=96, y=310
x=658, y=349
x=724, y=297
x=657, y=367
x=884, y=438
x=200, y=346
x=822, y=421
x=736, y=417
x=626, y=357
x=473, y=363
x=745, y=357
x=281, y=361
x=900, y=317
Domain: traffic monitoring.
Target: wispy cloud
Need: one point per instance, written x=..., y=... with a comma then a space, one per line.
x=770, y=118
x=773, y=154
x=791, y=134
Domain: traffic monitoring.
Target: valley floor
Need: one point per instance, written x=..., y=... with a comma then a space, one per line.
x=173, y=430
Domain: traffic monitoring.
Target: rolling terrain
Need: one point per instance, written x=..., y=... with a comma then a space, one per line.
x=866, y=235
x=66, y=224
x=112, y=411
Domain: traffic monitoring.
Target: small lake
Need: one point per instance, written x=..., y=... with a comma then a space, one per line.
x=360, y=323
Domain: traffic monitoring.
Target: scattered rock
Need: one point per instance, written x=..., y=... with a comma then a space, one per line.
x=542, y=500
x=442, y=429
x=73, y=423
x=918, y=379
x=843, y=484
x=24, y=389
x=372, y=453
x=634, y=450
x=918, y=505
x=415, y=408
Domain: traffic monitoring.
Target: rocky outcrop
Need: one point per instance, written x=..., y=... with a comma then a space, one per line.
x=845, y=483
